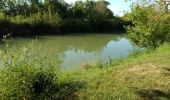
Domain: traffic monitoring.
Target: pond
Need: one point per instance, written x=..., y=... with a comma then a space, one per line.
x=76, y=50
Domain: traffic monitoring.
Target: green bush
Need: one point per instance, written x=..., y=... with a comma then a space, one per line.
x=151, y=27
x=24, y=76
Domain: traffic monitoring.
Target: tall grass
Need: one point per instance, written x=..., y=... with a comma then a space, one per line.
x=24, y=76
x=28, y=75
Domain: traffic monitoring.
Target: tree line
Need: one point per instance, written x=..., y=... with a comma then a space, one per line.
x=22, y=17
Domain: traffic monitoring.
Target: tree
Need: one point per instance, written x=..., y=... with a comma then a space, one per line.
x=78, y=10
x=164, y=4
x=151, y=25
x=102, y=9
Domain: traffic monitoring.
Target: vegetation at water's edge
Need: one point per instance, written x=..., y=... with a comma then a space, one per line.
x=33, y=17
x=145, y=76
x=24, y=76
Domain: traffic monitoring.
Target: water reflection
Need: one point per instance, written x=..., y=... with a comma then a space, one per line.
x=75, y=50
x=112, y=50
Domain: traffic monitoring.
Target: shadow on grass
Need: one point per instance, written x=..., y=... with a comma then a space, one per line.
x=166, y=72
x=60, y=91
x=167, y=69
x=67, y=91
x=152, y=94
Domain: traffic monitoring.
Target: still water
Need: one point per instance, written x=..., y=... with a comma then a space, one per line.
x=76, y=50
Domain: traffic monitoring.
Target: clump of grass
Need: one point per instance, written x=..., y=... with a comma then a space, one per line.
x=24, y=76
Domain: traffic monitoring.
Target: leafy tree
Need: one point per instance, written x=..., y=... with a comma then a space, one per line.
x=102, y=9
x=151, y=25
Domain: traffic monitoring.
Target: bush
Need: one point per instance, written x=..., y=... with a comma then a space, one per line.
x=23, y=76
x=151, y=27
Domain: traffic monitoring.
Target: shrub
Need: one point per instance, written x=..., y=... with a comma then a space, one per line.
x=24, y=76
x=151, y=27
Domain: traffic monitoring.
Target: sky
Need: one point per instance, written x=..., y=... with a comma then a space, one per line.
x=117, y=6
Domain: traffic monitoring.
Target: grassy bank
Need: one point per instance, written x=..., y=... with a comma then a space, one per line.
x=139, y=77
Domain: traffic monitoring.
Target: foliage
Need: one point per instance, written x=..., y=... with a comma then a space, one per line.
x=56, y=16
x=23, y=76
x=151, y=26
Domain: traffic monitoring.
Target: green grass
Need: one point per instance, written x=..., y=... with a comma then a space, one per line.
x=143, y=76
x=140, y=77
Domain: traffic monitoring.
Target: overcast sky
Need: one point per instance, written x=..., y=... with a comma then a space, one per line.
x=117, y=6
